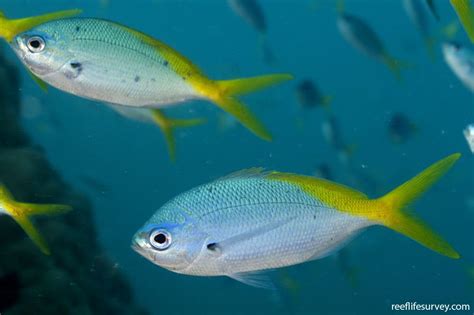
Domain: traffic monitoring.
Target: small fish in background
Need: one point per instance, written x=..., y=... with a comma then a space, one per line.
x=469, y=135
x=21, y=211
x=309, y=96
x=158, y=118
x=91, y=58
x=416, y=11
x=461, y=61
x=433, y=9
x=323, y=171
x=465, y=12
x=94, y=184
x=285, y=219
x=333, y=136
x=252, y=12
x=401, y=128
x=362, y=37
x=10, y=287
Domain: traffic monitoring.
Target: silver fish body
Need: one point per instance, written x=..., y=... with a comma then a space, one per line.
x=416, y=11
x=250, y=11
x=103, y=61
x=245, y=223
x=360, y=35
x=461, y=61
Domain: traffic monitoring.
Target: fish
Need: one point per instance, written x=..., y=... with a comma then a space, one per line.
x=401, y=128
x=433, y=9
x=332, y=134
x=10, y=287
x=465, y=12
x=111, y=63
x=251, y=221
x=468, y=133
x=158, y=118
x=416, y=11
x=21, y=213
x=461, y=61
x=362, y=37
x=252, y=13
x=323, y=171
x=308, y=95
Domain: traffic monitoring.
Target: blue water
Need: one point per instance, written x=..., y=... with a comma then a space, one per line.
x=85, y=139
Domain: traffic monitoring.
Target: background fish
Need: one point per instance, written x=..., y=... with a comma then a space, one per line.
x=461, y=61
x=109, y=62
x=416, y=11
x=252, y=221
x=362, y=37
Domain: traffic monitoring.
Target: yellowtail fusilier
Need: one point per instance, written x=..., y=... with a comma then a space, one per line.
x=21, y=212
x=253, y=221
x=461, y=61
x=109, y=62
x=362, y=37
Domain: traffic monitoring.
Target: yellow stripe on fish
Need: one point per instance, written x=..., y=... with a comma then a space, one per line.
x=389, y=210
x=222, y=93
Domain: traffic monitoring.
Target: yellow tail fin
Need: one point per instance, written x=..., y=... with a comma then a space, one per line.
x=20, y=212
x=392, y=208
x=465, y=13
x=9, y=28
x=168, y=125
x=395, y=65
x=226, y=99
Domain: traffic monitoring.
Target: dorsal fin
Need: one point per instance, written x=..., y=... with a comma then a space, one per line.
x=317, y=186
x=177, y=61
x=247, y=173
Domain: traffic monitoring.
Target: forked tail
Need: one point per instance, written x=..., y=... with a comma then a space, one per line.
x=392, y=210
x=168, y=125
x=21, y=212
x=226, y=98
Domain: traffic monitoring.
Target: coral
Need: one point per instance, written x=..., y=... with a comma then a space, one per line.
x=77, y=278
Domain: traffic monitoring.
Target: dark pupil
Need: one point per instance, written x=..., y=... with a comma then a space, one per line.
x=160, y=238
x=35, y=44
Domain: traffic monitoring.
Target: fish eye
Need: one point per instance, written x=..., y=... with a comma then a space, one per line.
x=35, y=44
x=160, y=239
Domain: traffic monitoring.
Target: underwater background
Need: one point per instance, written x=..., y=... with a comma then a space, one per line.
x=122, y=167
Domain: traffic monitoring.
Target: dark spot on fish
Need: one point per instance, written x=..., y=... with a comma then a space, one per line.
x=210, y=189
x=153, y=80
x=123, y=80
x=76, y=65
x=184, y=78
x=78, y=28
x=314, y=217
x=165, y=63
x=137, y=78
x=9, y=290
x=212, y=246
